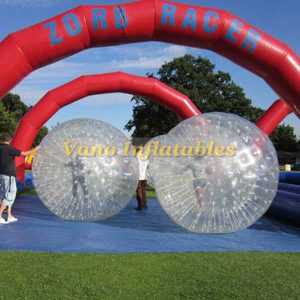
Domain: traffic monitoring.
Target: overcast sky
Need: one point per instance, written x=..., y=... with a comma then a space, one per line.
x=276, y=17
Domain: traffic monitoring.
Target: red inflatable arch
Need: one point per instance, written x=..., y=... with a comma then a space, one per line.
x=155, y=20
x=147, y=20
x=84, y=86
x=87, y=85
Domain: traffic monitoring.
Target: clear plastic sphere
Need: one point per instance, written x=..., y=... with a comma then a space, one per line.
x=150, y=150
x=225, y=183
x=149, y=178
x=78, y=176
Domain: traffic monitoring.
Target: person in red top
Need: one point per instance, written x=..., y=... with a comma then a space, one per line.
x=8, y=186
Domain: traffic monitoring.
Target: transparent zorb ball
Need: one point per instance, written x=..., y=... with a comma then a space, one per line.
x=80, y=172
x=227, y=185
x=151, y=150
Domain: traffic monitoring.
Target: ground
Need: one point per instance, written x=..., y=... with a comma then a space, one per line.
x=150, y=192
x=149, y=276
x=193, y=275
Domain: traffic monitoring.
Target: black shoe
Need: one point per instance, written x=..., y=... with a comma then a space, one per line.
x=138, y=208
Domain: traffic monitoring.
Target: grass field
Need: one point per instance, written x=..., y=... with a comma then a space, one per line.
x=149, y=276
x=150, y=193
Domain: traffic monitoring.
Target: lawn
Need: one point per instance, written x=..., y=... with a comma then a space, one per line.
x=150, y=193
x=149, y=276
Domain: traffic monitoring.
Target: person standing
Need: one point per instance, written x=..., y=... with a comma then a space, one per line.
x=200, y=172
x=79, y=168
x=141, y=189
x=8, y=186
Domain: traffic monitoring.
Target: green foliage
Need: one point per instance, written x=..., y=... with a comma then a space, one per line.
x=196, y=78
x=7, y=122
x=14, y=106
x=12, y=109
x=284, y=138
x=254, y=113
x=210, y=90
x=40, y=135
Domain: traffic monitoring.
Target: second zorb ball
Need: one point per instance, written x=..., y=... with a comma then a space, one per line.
x=80, y=173
x=150, y=151
x=218, y=173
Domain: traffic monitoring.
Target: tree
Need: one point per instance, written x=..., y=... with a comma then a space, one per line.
x=14, y=106
x=255, y=113
x=7, y=122
x=40, y=135
x=12, y=109
x=284, y=138
x=210, y=90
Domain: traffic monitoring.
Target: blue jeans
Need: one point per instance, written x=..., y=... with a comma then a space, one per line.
x=8, y=189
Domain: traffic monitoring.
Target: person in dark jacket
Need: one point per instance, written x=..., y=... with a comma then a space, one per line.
x=8, y=186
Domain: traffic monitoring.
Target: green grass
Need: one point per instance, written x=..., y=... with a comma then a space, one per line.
x=28, y=192
x=149, y=193
x=149, y=276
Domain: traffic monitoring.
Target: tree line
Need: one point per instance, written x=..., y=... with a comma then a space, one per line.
x=12, y=109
